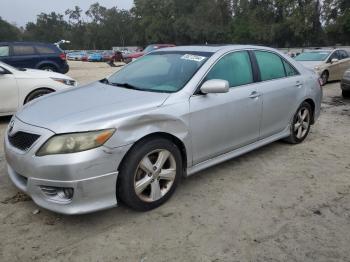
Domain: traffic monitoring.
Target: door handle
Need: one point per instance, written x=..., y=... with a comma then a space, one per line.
x=254, y=94
x=298, y=84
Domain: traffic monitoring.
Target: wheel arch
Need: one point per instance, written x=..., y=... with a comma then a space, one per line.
x=180, y=145
x=313, y=106
x=35, y=90
x=47, y=63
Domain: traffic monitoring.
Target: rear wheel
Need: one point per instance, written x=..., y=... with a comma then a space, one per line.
x=36, y=94
x=49, y=68
x=301, y=124
x=149, y=174
x=346, y=93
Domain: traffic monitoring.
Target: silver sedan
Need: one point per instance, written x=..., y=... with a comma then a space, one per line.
x=174, y=112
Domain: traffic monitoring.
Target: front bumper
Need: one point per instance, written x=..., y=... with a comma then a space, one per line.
x=91, y=174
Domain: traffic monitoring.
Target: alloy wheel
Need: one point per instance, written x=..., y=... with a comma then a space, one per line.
x=302, y=123
x=155, y=175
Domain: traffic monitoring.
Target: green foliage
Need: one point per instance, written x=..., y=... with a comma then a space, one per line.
x=279, y=23
x=8, y=32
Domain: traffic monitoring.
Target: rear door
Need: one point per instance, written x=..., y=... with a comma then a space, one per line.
x=281, y=86
x=24, y=55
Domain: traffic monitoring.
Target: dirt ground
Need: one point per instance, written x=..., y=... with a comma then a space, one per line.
x=278, y=203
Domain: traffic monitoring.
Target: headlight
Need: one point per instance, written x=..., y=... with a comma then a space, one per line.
x=317, y=68
x=67, y=82
x=75, y=142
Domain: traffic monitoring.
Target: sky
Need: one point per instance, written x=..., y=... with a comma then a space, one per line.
x=21, y=12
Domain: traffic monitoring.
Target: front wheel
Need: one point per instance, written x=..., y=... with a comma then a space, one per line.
x=301, y=124
x=149, y=174
x=49, y=68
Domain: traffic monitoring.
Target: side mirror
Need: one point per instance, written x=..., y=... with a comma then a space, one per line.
x=334, y=60
x=215, y=86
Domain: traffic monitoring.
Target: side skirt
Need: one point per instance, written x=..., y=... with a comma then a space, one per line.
x=237, y=152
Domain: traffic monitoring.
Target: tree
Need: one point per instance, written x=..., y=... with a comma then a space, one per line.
x=8, y=32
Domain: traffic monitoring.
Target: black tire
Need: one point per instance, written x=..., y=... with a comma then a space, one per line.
x=36, y=94
x=126, y=188
x=294, y=137
x=325, y=77
x=346, y=93
x=50, y=68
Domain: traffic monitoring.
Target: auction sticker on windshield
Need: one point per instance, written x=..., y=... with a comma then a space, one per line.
x=195, y=58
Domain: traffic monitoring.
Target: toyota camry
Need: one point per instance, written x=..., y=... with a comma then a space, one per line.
x=172, y=113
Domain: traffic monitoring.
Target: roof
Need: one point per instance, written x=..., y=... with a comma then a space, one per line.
x=211, y=48
x=24, y=42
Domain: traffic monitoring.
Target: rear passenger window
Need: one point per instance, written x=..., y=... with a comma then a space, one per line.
x=45, y=50
x=235, y=68
x=290, y=71
x=270, y=65
x=23, y=50
x=4, y=51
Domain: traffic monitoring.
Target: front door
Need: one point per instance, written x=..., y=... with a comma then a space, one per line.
x=223, y=122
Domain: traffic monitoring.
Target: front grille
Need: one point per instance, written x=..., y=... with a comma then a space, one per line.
x=22, y=140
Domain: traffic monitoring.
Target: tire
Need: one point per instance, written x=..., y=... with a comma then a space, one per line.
x=346, y=93
x=36, y=94
x=324, y=77
x=301, y=124
x=141, y=186
x=49, y=68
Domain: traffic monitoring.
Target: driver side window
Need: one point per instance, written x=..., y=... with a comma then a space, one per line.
x=235, y=68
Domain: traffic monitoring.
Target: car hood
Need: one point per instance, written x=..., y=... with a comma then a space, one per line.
x=34, y=73
x=311, y=64
x=89, y=107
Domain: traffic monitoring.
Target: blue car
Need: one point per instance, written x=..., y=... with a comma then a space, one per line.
x=75, y=56
x=95, y=57
x=34, y=55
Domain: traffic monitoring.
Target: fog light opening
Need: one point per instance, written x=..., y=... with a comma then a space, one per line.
x=66, y=193
x=58, y=193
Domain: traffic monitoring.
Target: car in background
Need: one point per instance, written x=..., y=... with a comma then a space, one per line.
x=20, y=86
x=75, y=56
x=345, y=84
x=108, y=56
x=131, y=136
x=95, y=57
x=329, y=64
x=34, y=55
x=133, y=56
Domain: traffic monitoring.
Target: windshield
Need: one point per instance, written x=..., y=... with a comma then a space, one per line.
x=313, y=56
x=160, y=72
x=149, y=48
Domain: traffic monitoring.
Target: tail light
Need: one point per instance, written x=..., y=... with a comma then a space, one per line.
x=63, y=56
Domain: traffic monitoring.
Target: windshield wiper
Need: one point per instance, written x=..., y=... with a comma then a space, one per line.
x=126, y=85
